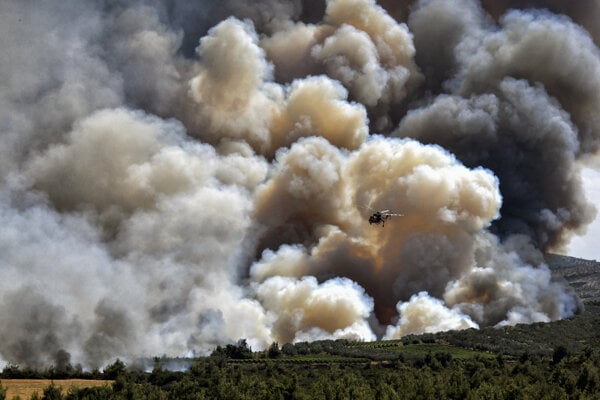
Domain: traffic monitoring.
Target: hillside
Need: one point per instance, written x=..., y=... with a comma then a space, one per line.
x=543, y=360
x=582, y=275
x=574, y=334
x=577, y=334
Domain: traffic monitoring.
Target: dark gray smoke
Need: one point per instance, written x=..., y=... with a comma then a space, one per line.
x=519, y=100
x=177, y=175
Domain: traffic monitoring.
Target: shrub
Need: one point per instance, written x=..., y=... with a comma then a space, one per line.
x=52, y=392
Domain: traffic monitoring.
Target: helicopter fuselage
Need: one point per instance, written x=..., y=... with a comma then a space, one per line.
x=378, y=218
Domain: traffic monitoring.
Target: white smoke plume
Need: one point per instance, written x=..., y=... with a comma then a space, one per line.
x=423, y=314
x=175, y=176
x=306, y=310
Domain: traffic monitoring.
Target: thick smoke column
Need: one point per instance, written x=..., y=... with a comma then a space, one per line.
x=176, y=176
x=521, y=102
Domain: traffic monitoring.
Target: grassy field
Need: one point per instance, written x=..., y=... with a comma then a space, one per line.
x=25, y=388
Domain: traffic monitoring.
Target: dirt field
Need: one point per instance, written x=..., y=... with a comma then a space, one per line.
x=24, y=388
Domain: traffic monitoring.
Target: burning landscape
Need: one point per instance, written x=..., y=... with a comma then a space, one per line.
x=175, y=177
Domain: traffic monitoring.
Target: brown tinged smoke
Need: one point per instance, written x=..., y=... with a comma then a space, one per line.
x=176, y=176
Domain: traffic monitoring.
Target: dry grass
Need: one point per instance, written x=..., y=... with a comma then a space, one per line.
x=24, y=388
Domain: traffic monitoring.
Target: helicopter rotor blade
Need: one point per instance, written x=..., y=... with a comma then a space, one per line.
x=393, y=215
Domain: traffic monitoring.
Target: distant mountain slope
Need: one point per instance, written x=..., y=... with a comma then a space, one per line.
x=582, y=275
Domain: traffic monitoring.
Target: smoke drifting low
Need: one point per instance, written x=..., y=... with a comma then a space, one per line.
x=175, y=177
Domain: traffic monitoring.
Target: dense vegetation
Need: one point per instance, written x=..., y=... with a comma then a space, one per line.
x=540, y=361
x=432, y=375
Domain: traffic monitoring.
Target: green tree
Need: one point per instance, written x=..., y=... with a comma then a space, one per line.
x=90, y=393
x=52, y=392
x=114, y=370
x=589, y=378
x=239, y=351
x=274, y=351
x=559, y=353
x=289, y=349
x=564, y=378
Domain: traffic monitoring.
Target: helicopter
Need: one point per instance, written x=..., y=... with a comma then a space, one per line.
x=379, y=217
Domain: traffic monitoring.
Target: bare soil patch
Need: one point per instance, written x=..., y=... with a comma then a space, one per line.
x=25, y=388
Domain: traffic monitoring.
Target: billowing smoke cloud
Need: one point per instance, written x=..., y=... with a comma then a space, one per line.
x=177, y=176
x=318, y=198
x=520, y=103
x=306, y=310
x=423, y=314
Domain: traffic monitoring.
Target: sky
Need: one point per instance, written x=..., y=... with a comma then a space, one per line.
x=586, y=245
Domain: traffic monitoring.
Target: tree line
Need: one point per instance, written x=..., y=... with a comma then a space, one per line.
x=439, y=375
x=559, y=360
